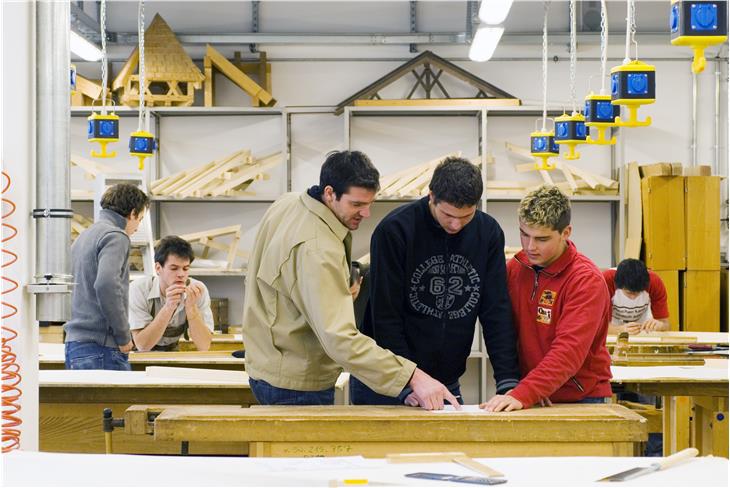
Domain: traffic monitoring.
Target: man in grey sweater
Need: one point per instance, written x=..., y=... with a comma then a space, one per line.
x=98, y=336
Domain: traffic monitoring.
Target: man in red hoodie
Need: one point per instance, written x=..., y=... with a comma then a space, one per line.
x=560, y=309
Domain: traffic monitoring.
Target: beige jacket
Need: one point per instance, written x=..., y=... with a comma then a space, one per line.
x=298, y=318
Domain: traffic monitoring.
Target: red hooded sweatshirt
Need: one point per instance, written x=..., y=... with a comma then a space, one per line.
x=561, y=316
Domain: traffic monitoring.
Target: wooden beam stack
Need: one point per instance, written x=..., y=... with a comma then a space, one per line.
x=229, y=176
x=411, y=182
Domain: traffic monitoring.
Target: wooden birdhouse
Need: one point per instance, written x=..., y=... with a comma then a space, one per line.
x=171, y=77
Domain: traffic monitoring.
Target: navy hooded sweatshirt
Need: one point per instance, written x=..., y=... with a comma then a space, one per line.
x=428, y=288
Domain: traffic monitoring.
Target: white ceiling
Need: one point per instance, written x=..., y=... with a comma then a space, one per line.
x=195, y=17
x=522, y=37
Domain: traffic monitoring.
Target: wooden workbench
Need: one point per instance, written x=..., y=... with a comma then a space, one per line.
x=674, y=337
x=220, y=342
x=71, y=405
x=576, y=430
x=695, y=402
x=51, y=356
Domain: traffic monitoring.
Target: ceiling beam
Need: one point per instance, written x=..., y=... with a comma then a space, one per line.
x=446, y=38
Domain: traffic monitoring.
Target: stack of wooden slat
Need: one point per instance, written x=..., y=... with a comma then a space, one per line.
x=211, y=239
x=578, y=181
x=411, y=182
x=229, y=176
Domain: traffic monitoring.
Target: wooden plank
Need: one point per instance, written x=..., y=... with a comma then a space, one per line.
x=702, y=170
x=208, y=91
x=702, y=222
x=238, y=77
x=159, y=187
x=88, y=88
x=656, y=169
x=568, y=175
x=187, y=176
x=231, y=229
x=91, y=167
x=546, y=177
x=248, y=173
x=205, y=170
x=377, y=431
x=589, y=178
x=439, y=102
x=239, y=159
x=123, y=77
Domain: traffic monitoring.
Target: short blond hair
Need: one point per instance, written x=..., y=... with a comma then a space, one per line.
x=545, y=207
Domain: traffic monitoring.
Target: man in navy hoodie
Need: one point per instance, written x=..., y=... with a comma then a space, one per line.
x=437, y=265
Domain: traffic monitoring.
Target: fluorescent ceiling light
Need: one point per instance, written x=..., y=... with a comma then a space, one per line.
x=485, y=42
x=493, y=12
x=83, y=48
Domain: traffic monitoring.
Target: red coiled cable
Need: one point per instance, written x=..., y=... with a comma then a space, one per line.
x=11, y=377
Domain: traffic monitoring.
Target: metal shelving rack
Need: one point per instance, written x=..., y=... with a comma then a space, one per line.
x=157, y=113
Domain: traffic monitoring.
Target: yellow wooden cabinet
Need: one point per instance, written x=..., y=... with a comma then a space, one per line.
x=702, y=222
x=664, y=224
x=701, y=301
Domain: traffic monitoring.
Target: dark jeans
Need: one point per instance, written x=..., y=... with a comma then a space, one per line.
x=362, y=395
x=90, y=355
x=267, y=394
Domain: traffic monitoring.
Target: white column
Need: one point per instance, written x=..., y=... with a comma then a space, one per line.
x=18, y=161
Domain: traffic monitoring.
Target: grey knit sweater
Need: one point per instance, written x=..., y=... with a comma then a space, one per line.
x=100, y=303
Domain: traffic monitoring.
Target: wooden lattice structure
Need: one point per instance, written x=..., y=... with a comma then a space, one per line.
x=429, y=87
x=171, y=77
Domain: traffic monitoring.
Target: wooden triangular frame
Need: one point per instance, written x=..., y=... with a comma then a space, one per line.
x=428, y=61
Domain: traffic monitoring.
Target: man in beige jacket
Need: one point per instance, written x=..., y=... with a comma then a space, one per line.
x=298, y=316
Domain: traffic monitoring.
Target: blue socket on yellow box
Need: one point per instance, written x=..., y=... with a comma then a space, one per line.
x=103, y=129
x=543, y=146
x=698, y=24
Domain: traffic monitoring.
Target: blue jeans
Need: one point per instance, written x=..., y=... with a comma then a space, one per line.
x=594, y=400
x=268, y=394
x=90, y=355
x=362, y=395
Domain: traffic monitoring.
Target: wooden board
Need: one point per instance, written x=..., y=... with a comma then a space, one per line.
x=377, y=431
x=238, y=77
x=440, y=102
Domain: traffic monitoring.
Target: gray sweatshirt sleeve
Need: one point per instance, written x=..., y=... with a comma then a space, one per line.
x=112, y=284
